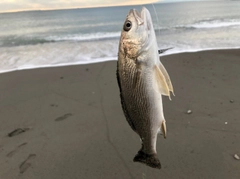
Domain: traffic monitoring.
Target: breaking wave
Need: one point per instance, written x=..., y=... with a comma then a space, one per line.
x=85, y=37
x=9, y=41
x=56, y=54
x=204, y=24
x=216, y=23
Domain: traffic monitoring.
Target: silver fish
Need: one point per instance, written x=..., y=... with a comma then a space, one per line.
x=142, y=81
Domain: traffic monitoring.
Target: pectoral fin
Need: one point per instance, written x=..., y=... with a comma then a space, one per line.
x=162, y=85
x=167, y=78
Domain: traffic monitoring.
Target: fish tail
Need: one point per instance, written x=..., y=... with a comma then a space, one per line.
x=149, y=159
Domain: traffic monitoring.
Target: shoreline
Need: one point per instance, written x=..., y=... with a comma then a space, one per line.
x=107, y=59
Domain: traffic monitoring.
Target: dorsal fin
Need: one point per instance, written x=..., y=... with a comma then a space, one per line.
x=164, y=50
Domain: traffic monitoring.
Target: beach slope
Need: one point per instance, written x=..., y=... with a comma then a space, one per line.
x=67, y=122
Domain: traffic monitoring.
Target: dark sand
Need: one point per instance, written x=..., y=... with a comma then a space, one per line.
x=72, y=125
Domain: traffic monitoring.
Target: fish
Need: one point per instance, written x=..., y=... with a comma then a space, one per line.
x=142, y=80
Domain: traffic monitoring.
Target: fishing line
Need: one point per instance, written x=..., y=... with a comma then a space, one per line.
x=158, y=27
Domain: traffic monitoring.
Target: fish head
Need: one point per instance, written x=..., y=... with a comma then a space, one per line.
x=137, y=33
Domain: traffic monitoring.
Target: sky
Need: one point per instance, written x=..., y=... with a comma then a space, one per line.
x=22, y=5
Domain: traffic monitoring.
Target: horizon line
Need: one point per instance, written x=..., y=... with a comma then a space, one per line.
x=69, y=8
x=87, y=7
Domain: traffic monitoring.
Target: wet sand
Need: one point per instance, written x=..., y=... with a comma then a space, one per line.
x=67, y=122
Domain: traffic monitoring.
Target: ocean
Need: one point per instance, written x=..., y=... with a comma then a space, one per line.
x=34, y=39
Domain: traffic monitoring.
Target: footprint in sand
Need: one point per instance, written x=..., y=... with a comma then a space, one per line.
x=26, y=163
x=17, y=131
x=54, y=105
x=10, y=154
x=65, y=116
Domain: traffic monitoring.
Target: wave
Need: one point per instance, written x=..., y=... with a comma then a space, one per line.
x=9, y=41
x=203, y=24
x=215, y=24
x=56, y=54
x=85, y=37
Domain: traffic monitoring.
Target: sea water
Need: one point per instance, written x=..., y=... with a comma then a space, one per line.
x=35, y=39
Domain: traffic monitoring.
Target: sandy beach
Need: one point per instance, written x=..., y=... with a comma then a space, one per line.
x=67, y=122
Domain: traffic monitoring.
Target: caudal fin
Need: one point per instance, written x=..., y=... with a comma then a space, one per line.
x=149, y=159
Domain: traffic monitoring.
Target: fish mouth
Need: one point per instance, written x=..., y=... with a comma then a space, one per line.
x=143, y=17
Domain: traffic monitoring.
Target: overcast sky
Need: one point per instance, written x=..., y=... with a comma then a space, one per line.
x=19, y=5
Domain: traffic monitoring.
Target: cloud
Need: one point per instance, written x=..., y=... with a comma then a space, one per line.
x=17, y=5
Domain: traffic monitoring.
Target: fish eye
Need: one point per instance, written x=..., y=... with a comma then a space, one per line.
x=127, y=25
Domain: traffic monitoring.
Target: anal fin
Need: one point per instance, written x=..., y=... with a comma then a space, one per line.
x=164, y=129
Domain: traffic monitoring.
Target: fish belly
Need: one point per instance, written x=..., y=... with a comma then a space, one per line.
x=144, y=106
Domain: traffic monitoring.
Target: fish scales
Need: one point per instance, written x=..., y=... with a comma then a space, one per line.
x=141, y=101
